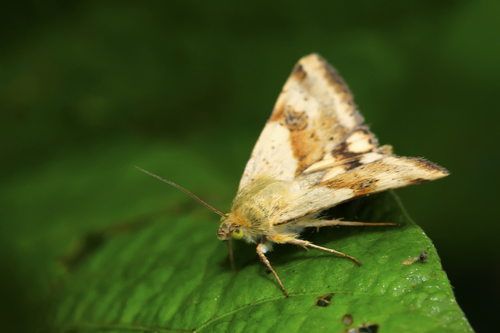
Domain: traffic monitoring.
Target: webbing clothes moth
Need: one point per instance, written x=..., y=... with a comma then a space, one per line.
x=314, y=153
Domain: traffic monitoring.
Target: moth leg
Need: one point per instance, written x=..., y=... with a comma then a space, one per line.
x=263, y=258
x=304, y=243
x=328, y=223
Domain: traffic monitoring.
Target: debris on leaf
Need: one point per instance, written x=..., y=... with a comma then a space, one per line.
x=324, y=300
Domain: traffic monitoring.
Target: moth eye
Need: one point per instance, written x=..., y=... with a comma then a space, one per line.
x=223, y=218
x=237, y=233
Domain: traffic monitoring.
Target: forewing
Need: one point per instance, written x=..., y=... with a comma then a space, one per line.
x=323, y=189
x=315, y=140
x=314, y=114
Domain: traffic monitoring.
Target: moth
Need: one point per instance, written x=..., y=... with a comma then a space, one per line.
x=314, y=153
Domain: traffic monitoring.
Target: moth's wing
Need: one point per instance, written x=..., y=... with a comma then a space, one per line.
x=374, y=172
x=315, y=139
x=313, y=115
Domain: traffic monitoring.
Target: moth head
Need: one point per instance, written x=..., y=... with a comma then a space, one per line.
x=229, y=229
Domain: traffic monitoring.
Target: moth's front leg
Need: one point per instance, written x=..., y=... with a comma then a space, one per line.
x=263, y=258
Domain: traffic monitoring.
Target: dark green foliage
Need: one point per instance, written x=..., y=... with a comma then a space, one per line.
x=90, y=88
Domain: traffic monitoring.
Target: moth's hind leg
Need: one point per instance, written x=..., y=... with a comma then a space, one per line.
x=306, y=244
x=329, y=223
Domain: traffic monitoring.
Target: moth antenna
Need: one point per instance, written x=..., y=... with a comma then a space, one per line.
x=185, y=191
x=231, y=257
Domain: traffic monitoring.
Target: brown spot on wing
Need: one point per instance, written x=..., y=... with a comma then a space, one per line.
x=305, y=146
x=359, y=183
x=428, y=165
x=352, y=164
x=295, y=121
x=278, y=111
x=419, y=180
x=299, y=73
x=342, y=152
x=337, y=82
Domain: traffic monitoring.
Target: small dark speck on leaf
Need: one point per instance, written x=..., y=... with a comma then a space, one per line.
x=347, y=320
x=324, y=300
x=364, y=328
x=368, y=328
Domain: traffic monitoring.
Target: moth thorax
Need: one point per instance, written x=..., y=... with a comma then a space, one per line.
x=262, y=199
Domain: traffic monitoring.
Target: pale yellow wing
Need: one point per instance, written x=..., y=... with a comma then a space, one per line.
x=322, y=189
x=315, y=139
x=313, y=115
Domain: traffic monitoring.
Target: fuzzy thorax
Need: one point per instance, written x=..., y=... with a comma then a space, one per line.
x=256, y=207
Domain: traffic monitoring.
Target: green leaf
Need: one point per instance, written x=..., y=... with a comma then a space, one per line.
x=150, y=271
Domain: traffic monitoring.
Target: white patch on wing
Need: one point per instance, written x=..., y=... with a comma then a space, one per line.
x=333, y=172
x=326, y=162
x=370, y=157
x=359, y=142
x=275, y=157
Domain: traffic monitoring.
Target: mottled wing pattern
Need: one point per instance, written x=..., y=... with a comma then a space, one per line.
x=326, y=188
x=315, y=139
x=314, y=114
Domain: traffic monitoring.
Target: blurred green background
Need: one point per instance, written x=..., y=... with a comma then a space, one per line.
x=84, y=81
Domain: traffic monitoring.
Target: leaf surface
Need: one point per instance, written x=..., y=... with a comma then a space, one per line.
x=167, y=276
x=116, y=251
